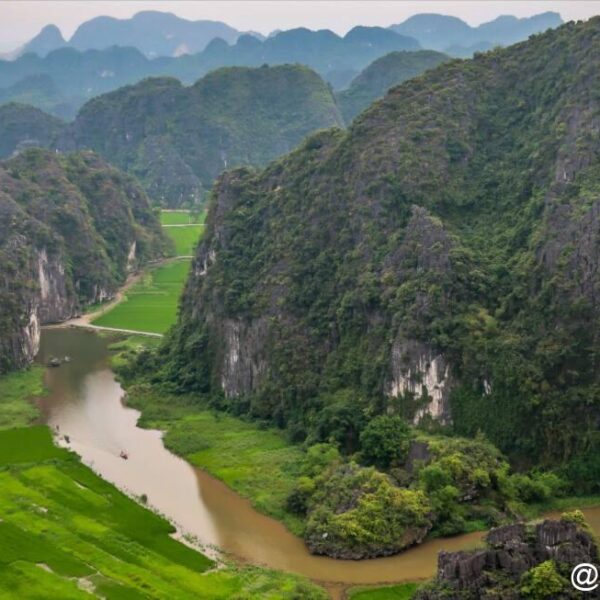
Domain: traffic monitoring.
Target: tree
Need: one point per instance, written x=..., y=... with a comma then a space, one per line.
x=385, y=440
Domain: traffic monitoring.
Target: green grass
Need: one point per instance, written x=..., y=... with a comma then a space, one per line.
x=16, y=389
x=151, y=304
x=26, y=445
x=185, y=238
x=122, y=350
x=257, y=463
x=61, y=524
x=404, y=591
x=182, y=217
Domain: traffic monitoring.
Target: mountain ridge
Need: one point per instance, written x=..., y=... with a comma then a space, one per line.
x=410, y=261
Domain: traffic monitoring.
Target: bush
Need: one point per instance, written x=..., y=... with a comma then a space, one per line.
x=542, y=581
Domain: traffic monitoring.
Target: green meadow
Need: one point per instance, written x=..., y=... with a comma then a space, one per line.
x=185, y=238
x=66, y=533
x=151, y=304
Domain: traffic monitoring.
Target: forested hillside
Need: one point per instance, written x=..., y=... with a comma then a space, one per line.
x=71, y=228
x=22, y=126
x=437, y=261
x=382, y=74
x=177, y=139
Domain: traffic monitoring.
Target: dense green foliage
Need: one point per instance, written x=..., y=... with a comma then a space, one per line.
x=385, y=440
x=456, y=219
x=71, y=228
x=22, y=126
x=542, y=581
x=356, y=513
x=384, y=73
x=63, y=530
x=178, y=139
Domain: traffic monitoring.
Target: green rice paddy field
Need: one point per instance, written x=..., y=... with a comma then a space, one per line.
x=181, y=217
x=66, y=533
x=151, y=304
x=185, y=238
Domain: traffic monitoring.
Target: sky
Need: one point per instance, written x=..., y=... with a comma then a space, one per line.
x=20, y=20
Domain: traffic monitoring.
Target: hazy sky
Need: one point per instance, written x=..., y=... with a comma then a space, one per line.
x=22, y=19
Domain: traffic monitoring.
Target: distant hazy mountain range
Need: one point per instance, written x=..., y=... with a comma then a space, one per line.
x=64, y=79
x=152, y=33
x=105, y=53
x=457, y=38
x=164, y=34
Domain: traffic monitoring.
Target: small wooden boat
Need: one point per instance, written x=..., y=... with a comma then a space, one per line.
x=124, y=455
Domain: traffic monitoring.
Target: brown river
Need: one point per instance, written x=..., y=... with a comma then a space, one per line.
x=86, y=404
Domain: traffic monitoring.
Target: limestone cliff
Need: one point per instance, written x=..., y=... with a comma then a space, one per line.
x=500, y=570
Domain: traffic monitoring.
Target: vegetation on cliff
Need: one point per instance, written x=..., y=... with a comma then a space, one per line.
x=177, y=139
x=382, y=74
x=520, y=562
x=22, y=126
x=434, y=261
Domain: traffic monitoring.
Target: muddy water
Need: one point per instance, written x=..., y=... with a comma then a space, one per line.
x=85, y=403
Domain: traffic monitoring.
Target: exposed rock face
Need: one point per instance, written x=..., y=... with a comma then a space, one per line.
x=56, y=299
x=496, y=571
x=70, y=230
x=419, y=371
x=244, y=361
